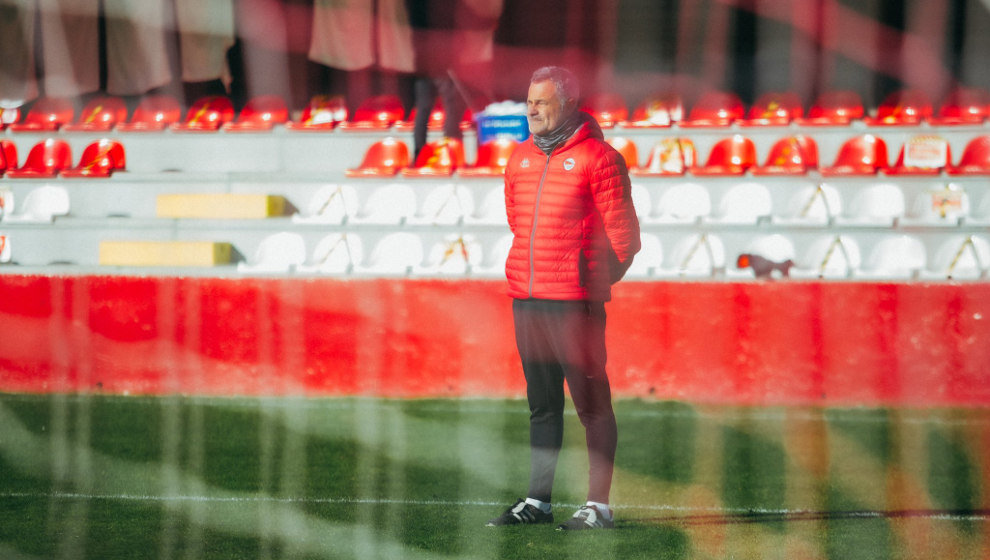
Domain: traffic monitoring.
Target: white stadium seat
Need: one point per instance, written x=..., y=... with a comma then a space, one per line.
x=395, y=253
x=41, y=204
x=960, y=257
x=895, y=256
x=388, y=205
x=445, y=205
x=684, y=203
x=278, y=253
x=493, y=263
x=828, y=256
x=337, y=253
x=331, y=204
x=812, y=204
x=744, y=203
x=491, y=211
x=879, y=204
x=455, y=254
x=649, y=260
x=698, y=255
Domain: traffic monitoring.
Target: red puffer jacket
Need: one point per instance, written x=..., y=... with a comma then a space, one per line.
x=571, y=213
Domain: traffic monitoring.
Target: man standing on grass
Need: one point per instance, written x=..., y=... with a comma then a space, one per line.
x=575, y=232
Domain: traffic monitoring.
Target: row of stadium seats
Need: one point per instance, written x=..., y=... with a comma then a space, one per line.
x=678, y=252
x=963, y=106
x=865, y=154
x=780, y=108
x=158, y=112
x=734, y=155
x=698, y=254
x=747, y=203
x=53, y=157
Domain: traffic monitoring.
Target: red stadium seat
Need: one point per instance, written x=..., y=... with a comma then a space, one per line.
x=101, y=114
x=46, y=115
x=437, y=117
x=657, y=111
x=729, y=156
x=8, y=156
x=99, y=159
x=715, y=109
x=774, y=109
x=608, y=109
x=922, y=155
x=324, y=112
x=153, y=113
x=906, y=107
x=259, y=114
x=975, y=159
x=437, y=159
x=860, y=155
x=832, y=108
x=792, y=155
x=493, y=157
x=45, y=160
x=963, y=106
x=627, y=148
x=383, y=159
x=670, y=156
x=377, y=113
x=207, y=114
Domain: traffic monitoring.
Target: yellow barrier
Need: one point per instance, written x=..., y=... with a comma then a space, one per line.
x=220, y=206
x=164, y=253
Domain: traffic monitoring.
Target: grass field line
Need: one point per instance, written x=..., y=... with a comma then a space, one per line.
x=475, y=405
x=688, y=515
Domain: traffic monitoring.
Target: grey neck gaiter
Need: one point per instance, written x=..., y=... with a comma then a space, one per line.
x=555, y=137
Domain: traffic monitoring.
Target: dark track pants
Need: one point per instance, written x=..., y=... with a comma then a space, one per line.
x=558, y=341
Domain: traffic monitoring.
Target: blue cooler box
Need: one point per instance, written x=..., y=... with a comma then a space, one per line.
x=502, y=126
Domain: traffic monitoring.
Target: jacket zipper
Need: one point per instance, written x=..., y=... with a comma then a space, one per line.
x=532, y=232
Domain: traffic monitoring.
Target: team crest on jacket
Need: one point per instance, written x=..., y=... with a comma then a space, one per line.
x=524, y=163
x=569, y=164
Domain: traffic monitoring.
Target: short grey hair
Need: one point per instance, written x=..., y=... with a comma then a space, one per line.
x=563, y=80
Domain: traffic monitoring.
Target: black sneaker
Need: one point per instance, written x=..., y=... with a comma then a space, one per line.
x=588, y=517
x=521, y=513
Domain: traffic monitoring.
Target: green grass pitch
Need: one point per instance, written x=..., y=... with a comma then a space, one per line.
x=109, y=477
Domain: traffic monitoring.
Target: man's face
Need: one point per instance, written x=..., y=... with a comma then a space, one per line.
x=544, y=110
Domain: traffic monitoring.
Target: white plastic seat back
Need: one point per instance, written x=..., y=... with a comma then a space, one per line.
x=454, y=254
x=446, y=205
x=813, y=203
x=745, y=203
x=881, y=203
x=6, y=202
x=389, y=204
x=941, y=205
x=698, y=255
x=279, y=252
x=896, y=256
x=962, y=256
x=493, y=263
x=642, y=201
x=649, y=259
x=491, y=210
x=829, y=256
x=337, y=253
x=395, y=253
x=5, y=252
x=331, y=204
x=42, y=204
x=685, y=202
